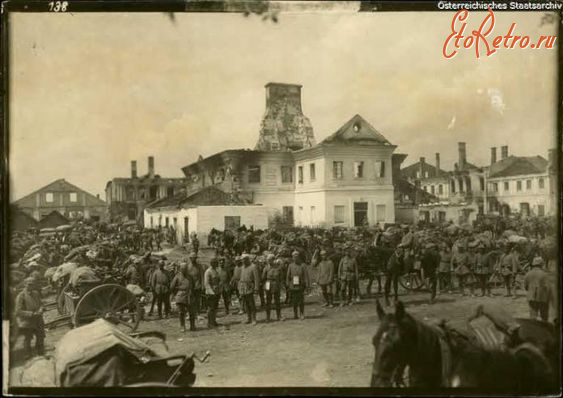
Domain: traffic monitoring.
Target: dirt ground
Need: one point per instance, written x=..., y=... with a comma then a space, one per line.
x=330, y=348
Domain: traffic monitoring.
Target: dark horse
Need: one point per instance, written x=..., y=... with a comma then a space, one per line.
x=438, y=356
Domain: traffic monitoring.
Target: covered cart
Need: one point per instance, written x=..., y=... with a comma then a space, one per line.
x=101, y=355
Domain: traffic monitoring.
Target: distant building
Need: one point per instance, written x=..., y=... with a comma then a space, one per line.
x=127, y=197
x=19, y=220
x=521, y=184
x=432, y=179
x=53, y=220
x=65, y=198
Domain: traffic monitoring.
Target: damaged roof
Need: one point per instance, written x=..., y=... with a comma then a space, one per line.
x=207, y=196
x=518, y=165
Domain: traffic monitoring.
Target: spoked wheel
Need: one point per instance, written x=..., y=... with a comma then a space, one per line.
x=111, y=302
x=411, y=281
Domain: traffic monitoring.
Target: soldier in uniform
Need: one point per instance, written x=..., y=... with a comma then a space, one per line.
x=182, y=287
x=196, y=273
x=225, y=282
x=326, y=278
x=482, y=267
x=29, y=316
x=247, y=286
x=444, y=269
x=508, y=264
x=538, y=291
x=395, y=267
x=430, y=261
x=297, y=280
x=259, y=264
x=212, y=282
x=460, y=264
x=273, y=280
x=347, y=274
x=160, y=286
x=235, y=280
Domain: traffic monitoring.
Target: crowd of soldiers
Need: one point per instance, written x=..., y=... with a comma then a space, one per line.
x=271, y=264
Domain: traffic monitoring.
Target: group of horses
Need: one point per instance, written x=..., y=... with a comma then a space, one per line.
x=415, y=354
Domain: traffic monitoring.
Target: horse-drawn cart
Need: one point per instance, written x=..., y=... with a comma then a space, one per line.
x=86, y=297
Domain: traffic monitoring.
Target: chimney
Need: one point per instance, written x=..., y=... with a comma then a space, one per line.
x=284, y=126
x=504, y=152
x=421, y=167
x=493, y=154
x=133, y=169
x=437, y=163
x=151, y=166
x=462, y=155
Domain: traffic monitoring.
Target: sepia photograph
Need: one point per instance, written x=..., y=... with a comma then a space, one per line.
x=281, y=197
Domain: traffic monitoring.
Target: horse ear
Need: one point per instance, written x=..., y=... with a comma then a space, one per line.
x=380, y=312
x=399, y=310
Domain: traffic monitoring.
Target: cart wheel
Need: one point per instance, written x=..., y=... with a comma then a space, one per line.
x=411, y=281
x=111, y=302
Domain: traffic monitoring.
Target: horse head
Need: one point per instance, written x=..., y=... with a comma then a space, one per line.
x=392, y=342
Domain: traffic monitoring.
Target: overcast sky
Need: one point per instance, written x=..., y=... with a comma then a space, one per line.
x=91, y=92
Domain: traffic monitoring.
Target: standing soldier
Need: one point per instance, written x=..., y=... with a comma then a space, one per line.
x=195, y=243
x=160, y=286
x=430, y=262
x=234, y=283
x=538, y=291
x=273, y=279
x=225, y=283
x=298, y=281
x=212, y=282
x=326, y=278
x=158, y=239
x=29, y=316
x=482, y=266
x=395, y=267
x=347, y=274
x=196, y=273
x=444, y=269
x=247, y=286
x=259, y=264
x=182, y=287
x=460, y=264
x=508, y=263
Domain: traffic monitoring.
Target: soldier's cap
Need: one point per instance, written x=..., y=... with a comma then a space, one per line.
x=295, y=253
x=193, y=255
x=537, y=261
x=244, y=255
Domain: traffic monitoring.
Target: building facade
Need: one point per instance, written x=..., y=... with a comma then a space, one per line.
x=65, y=198
x=521, y=184
x=127, y=197
x=345, y=180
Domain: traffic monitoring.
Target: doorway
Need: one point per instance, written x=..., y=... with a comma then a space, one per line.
x=360, y=214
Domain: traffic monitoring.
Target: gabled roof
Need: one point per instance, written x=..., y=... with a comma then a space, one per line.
x=357, y=129
x=53, y=220
x=208, y=196
x=410, y=171
x=62, y=185
x=518, y=165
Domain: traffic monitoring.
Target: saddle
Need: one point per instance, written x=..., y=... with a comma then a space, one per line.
x=493, y=328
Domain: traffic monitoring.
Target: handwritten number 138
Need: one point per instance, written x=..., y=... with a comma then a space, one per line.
x=58, y=6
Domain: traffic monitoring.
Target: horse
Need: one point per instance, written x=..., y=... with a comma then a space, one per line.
x=439, y=356
x=372, y=262
x=402, y=341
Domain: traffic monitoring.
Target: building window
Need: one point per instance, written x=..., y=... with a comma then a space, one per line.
x=425, y=188
x=129, y=193
x=49, y=197
x=440, y=189
x=506, y=186
x=287, y=174
x=337, y=170
x=339, y=212
x=453, y=186
x=482, y=183
x=254, y=174
x=495, y=186
x=358, y=169
x=166, y=222
x=152, y=222
x=528, y=184
x=541, y=210
x=287, y=214
x=380, y=168
x=312, y=172
x=518, y=185
x=169, y=191
x=300, y=174
x=432, y=189
x=541, y=183
x=73, y=197
x=175, y=221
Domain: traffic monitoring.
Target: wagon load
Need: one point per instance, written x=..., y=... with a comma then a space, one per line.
x=81, y=275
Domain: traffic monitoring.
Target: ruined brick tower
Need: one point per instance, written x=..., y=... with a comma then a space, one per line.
x=284, y=127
